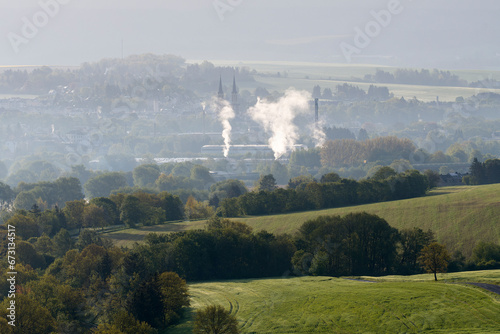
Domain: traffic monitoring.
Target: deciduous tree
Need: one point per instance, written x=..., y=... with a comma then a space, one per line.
x=266, y=183
x=434, y=258
x=74, y=213
x=26, y=226
x=102, y=185
x=146, y=175
x=95, y=216
x=62, y=242
x=214, y=319
x=31, y=317
x=131, y=211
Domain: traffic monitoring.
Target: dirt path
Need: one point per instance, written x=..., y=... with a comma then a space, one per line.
x=490, y=287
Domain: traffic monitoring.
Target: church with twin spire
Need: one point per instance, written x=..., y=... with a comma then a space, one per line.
x=234, y=94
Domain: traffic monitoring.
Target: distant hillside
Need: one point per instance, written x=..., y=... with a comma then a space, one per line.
x=459, y=216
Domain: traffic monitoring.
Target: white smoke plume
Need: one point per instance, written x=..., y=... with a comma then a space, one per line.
x=319, y=135
x=277, y=119
x=225, y=113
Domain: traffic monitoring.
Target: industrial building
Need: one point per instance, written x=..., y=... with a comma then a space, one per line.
x=235, y=150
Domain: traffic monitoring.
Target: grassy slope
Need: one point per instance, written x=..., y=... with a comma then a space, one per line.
x=479, y=276
x=460, y=216
x=333, y=305
x=128, y=237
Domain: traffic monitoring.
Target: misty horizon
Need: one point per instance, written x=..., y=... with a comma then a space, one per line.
x=458, y=34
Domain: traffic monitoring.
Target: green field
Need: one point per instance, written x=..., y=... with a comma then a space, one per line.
x=423, y=93
x=335, y=305
x=459, y=216
x=304, y=75
x=128, y=237
x=479, y=276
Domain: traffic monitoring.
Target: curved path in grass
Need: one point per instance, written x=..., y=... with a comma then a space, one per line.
x=490, y=287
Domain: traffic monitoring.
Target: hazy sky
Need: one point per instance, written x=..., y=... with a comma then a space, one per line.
x=433, y=33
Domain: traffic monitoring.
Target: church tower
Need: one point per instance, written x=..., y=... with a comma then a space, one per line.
x=234, y=96
x=221, y=92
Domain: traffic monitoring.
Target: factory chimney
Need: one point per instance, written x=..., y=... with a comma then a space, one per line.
x=204, y=115
x=316, y=111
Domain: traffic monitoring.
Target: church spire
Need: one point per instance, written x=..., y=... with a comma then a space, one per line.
x=234, y=95
x=221, y=92
x=235, y=91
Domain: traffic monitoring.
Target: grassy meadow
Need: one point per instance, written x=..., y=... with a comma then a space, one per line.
x=336, y=305
x=128, y=237
x=304, y=75
x=459, y=216
x=479, y=276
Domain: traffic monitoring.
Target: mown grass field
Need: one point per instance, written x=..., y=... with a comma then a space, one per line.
x=336, y=305
x=459, y=216
x=304, y=75
x=128, y=237
x=479, y=276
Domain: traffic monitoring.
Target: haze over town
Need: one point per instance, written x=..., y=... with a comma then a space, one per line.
x=424, y=33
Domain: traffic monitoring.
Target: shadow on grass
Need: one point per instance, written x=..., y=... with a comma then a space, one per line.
x=439, y=193
x=185, y=325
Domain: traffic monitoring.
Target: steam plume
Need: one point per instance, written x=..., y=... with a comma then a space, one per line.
x=277, y=119
x=319, y=135
x=226, y=113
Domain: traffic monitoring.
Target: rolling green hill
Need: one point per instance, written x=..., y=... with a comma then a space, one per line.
x=334, y=305
x=459, y=216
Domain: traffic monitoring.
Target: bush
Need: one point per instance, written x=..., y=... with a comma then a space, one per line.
x=214, y=319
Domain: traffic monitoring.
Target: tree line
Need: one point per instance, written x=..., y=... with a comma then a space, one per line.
x=128, y=209
x=353, y=93
x=349, y=152
x=487, y=172
x=305, y=194
x=416, y=77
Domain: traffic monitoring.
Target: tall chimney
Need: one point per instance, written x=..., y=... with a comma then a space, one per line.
x=204, y=131
x=316, y=111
